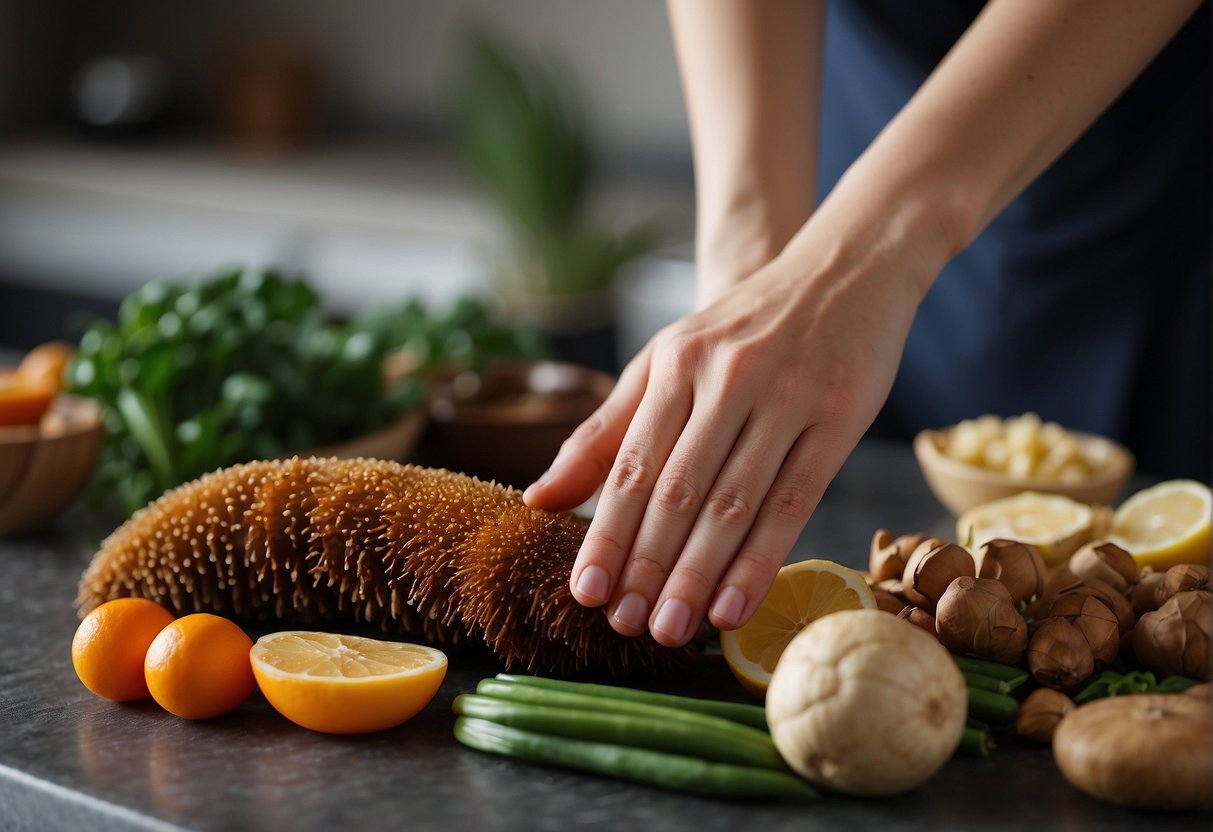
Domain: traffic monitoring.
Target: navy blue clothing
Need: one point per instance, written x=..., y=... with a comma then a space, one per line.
x=1088, y=299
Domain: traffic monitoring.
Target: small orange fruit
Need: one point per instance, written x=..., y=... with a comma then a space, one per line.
x=22, y=401
x=341, y=684
x=43, y=365
x=110, y=643
x=198, y=667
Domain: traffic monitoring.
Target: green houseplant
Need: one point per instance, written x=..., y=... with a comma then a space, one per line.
x=522, y=136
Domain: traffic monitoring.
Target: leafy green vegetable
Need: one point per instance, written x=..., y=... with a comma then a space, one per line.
x=1111, y=683
x=245, y=365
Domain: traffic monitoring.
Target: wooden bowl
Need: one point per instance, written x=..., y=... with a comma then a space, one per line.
x=961, y=486
x=508, y=422
x=44, y=467
x=394, y=442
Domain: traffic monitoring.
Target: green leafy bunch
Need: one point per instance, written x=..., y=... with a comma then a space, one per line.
x=245, y=365
x=521, y=134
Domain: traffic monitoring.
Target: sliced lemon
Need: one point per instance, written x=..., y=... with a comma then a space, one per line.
x=1055, y=525
x=1165, y=524
x=802, y=593
x=341, y=684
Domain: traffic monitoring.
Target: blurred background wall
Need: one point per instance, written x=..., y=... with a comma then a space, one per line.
x=366, y=200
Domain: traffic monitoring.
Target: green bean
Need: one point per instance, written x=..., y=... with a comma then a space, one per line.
x=976, y=742
x=997, y=708
x=1005, y=686
x=623, y=729
x=639, y=765
x=576, y=701
x=753, y=715
x=992, y=669
x=976, y=680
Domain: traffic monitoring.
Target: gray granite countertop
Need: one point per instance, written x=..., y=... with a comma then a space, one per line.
x=69, y=760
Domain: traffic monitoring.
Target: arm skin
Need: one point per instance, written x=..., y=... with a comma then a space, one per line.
x=752, y=108
x=722, y=434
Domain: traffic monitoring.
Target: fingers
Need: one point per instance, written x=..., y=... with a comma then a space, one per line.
x=655, y=428
x=677, y=498
x=586, y=456
x=740, y=501
x=792, y=498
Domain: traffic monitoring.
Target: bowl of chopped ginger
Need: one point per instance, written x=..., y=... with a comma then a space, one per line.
x=980, y=460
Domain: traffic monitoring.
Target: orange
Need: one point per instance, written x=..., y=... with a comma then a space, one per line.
x=43, y=365
x=22, y=400
x=198, y=667
x=110, y=643
x=342, y=684
x=802, y=593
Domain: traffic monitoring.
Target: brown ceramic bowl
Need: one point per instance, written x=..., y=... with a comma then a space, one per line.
x=508, y=422
x=44, y=467
x=961, y=486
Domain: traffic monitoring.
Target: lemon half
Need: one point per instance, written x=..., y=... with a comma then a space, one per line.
x=802, y=593
x=1055, y=525
x=1165, y=524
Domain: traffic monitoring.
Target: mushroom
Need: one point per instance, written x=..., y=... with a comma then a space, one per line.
x=933, y=566
x=1094, y=619
x=1040, y=713
x=1183, y=577
x=888, y=602
x=1142, y=751
x=1177, y=638
x=1144, y=592
x=1105, y=561
x=889, y=554
x=1018, y=565
x=1058, y=654
x=978, y=616
x=1115, y=601
x=919, y=617
x=866, y=704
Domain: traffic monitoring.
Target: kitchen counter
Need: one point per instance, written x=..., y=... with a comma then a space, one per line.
x=70, y=760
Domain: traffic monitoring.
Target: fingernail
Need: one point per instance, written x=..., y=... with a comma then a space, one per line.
x=633, y=611
x=543, y=480
x=593, y=582
x=730, y=605
x=672, y=619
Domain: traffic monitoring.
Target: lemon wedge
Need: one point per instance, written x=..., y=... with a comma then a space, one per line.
x=802, y=593
x=340, y=684
x=1055, y=525
x=1165, y=524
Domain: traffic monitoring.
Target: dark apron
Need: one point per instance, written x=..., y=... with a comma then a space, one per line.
x=1088, y=299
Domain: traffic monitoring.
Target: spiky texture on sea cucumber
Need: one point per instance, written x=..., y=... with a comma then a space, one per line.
x=421, y=552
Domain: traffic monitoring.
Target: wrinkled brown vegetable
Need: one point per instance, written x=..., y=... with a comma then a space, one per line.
x=1144, y=751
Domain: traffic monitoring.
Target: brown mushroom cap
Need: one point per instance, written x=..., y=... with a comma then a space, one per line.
x=1144, y=751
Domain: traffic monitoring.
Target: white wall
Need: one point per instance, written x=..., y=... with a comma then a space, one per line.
x=385, y=59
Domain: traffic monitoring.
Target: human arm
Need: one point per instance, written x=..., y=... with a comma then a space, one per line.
x=723, y=433
x=751, y=79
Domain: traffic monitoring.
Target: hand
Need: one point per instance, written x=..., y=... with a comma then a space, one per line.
x=721, y=436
